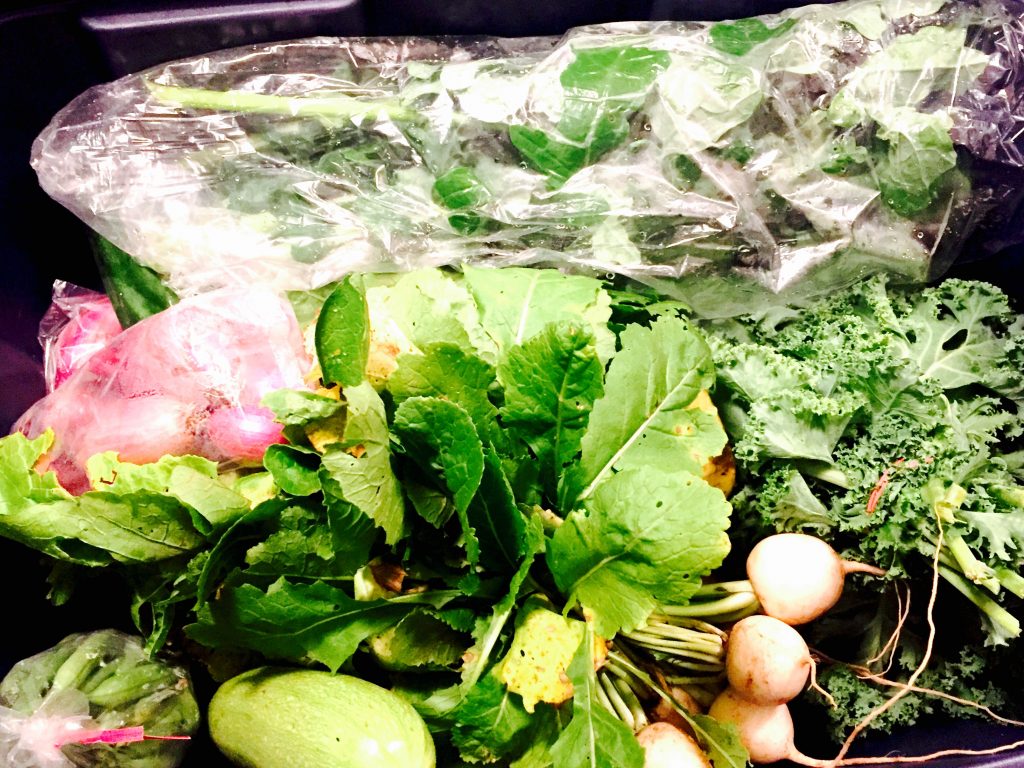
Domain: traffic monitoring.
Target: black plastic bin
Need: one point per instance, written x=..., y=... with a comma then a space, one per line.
x=52, y=52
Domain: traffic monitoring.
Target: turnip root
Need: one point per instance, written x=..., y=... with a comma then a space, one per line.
x=797, y=577
x=767, y=661
x=665, y=746
x=766, y=731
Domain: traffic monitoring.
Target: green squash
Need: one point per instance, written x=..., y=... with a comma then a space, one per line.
x=296, y=718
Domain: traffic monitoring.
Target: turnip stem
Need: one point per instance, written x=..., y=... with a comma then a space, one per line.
x=619, y=707
x=680, y=649
x=730, y=605
x=665, y=629
x=721, y=588
x=602, y=697
x=629, y=697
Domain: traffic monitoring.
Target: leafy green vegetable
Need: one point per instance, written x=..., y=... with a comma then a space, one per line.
x=358, y=469
x=639, y=526
x=439, y=434
x=343, y=335
x=739, y=37
x=871, y=419
x=651, y=425
x=398, y=529
x=296, y=621
x=602, y=87
x=491, y=723
x=551, y=382
x=135, y=291
x=144, y=523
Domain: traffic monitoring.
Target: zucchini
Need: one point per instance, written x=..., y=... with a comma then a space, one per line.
x=299, y=718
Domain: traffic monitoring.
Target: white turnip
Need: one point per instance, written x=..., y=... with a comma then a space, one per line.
x=797, y=577
x=767, y=661
x=665, y=746
x=766, y=731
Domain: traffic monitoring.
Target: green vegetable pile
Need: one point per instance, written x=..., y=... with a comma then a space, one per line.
x=488, y=451
x=506, y=491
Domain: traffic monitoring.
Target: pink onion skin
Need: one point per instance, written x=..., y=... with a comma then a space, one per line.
x=242, y=433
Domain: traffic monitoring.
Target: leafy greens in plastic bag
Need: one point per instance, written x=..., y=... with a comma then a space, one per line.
x=797, y=151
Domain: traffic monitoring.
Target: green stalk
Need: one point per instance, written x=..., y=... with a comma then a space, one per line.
x=721, y=589
x=603, y=699
x=619, y=707
x=636, y=709
x=972, y=568
x=722, y=609
x=693, y=683
x=1002, y=619
x=1012, y=580
x=334, y=106
x=684, y=644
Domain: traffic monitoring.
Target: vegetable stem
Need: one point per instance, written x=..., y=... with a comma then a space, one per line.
x=735, y=605
x=1002, y=619
x=334, y=106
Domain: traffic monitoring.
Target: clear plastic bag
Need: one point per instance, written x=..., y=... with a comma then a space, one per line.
x=795, y=151
x=186, y=381
x=78, y=324
x=95, y=700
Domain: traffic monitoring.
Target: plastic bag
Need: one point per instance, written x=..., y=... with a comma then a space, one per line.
x=801, y=150
x=188, y=380
x=78, y=323
x=95, y=700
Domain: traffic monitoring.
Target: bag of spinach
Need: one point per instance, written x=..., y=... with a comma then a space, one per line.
x=802, y=150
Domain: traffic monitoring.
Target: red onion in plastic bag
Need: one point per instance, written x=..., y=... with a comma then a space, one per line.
x=188, y=380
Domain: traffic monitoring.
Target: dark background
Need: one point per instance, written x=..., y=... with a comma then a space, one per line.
x=49, y=53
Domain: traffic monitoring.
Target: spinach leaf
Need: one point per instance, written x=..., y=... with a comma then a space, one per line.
x=602, y=88
x=445, y=370
x=516, y=304
x=738, y=38
x=358, y=469
x=294, y=408
x=497, y=521
x=491, y=723
x=294, y=469
x=440, y=437
x=297, y=622
x=343, y=335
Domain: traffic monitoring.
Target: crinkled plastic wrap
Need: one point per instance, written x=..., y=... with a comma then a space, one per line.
x=186, y=381
x=83, y=703
x=78, y=324
x=804, y=149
